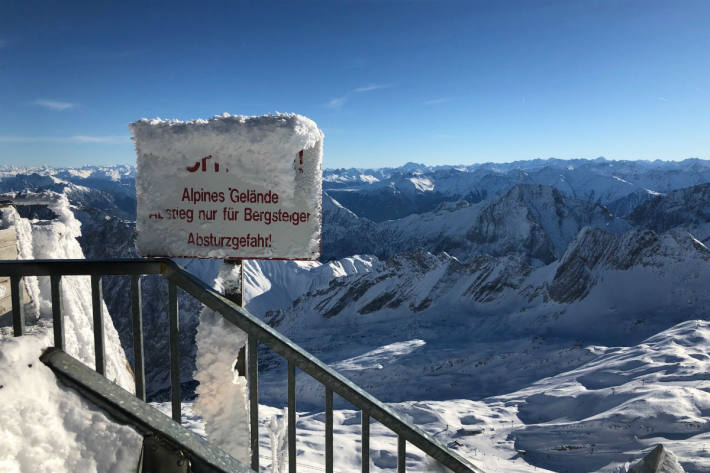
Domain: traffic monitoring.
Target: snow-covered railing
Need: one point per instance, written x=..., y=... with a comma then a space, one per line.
x=257, y=331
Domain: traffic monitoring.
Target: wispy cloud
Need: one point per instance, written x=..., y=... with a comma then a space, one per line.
x=371, y=87
x=337, y=102
x=662, y=99
x=99, y=139
x=65, y=139
x=54, y=104
x=437, y=101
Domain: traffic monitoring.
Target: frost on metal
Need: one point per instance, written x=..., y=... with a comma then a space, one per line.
x=222, y=394
x=229, y=187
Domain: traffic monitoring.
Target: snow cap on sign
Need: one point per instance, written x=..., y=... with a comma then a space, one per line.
x=258, y=144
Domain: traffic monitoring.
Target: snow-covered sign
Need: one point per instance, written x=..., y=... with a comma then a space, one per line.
x=229, y=187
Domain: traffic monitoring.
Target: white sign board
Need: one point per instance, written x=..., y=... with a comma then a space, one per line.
x=229, y=187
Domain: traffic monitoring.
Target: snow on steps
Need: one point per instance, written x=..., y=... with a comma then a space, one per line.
x=46, y=428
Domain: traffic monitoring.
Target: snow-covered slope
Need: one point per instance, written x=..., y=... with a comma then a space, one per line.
x=447, y=324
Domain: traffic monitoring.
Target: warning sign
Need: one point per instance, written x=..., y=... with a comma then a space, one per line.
x=229, y=187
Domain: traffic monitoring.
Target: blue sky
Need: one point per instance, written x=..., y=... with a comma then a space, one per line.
x=388, y=81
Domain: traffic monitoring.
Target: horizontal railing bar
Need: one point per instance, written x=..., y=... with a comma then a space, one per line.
x=81, y=267
x=315, y=368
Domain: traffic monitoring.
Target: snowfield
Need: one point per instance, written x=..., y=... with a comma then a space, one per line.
x=545, y=316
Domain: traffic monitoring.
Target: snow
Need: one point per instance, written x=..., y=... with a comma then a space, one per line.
x=600, y=416
x=56, y=239
x=44, y=426
x=621, y=180
x=254, y=147
x=368, y=179
x=48, y=428
x=422, y=184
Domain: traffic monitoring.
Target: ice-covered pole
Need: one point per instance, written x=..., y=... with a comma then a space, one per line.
x=222, y=395
x=235, y=293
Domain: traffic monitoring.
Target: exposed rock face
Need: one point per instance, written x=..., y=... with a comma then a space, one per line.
x=688, y=207
x=659, y=460
x=344, y=233
x=538, y=219
x=595, y=251
x=623, y=206
x=535, y=222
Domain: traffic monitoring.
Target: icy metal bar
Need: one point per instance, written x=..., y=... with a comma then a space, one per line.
x=82, y=267
x=328, y=430
x=57, y=316
x=174, y=359
x=96, y=303
x=138, y=360
x=253, y=401
x=365, y=443
x=18, y=310
x=401, y=454
x=291, y=417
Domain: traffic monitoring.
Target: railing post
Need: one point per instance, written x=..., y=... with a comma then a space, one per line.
x=401, y=454
x=365, y=443
x=18, y=309
x=291, y=417
x=174, y=359
x=57, y=315
x=138, y=360
x=328, y=430
x=253, y=372
x=97, y=302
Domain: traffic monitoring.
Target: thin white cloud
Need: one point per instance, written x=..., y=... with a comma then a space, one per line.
x=54, y=104
x=336, y=102
x=371, y=87
x=65, y=139
x=662, y=99
x=99, y=139
x=437, y=101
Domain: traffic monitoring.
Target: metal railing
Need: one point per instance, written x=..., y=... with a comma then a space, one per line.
x=257, y=331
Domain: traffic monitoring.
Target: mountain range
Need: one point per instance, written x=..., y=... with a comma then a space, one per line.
x=464, y=282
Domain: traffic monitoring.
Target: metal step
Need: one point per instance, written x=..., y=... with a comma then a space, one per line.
x=162, y=435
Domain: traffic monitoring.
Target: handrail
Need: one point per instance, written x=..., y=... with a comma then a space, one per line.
x=203, y=456
x=258, y=332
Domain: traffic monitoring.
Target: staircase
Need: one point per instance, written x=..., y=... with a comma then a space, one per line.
x=169, y=447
